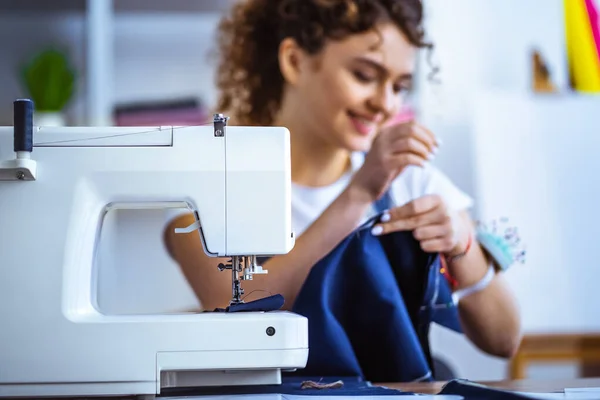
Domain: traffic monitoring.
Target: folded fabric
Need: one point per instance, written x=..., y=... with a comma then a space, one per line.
x=474, y=391
x=370, y=303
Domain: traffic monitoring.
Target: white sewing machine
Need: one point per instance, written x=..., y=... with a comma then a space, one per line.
x=56, y=186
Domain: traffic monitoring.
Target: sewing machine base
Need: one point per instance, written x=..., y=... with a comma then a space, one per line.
x=146, y=358
x=146, y=390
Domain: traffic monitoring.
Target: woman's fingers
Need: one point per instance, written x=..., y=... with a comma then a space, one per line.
x=411, y=145
x=437, y=245
x=422, y=141
x=429, y=232
x=424, y=212
x=436, y=142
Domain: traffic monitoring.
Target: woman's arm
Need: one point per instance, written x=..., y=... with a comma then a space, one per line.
x=287, y=273
x=490, y=318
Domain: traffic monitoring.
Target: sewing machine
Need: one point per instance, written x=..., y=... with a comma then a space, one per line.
x=57, y=185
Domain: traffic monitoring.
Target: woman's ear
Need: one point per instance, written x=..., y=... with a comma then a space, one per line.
x=291, y=61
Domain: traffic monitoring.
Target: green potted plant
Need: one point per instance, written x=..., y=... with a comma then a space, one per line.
x=49, y=81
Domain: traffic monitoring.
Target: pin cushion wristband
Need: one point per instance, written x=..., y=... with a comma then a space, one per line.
x=502, y=243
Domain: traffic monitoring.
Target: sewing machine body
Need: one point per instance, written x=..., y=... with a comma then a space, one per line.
x=55, y=341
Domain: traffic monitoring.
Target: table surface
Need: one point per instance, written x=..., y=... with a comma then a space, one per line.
x=526, y=385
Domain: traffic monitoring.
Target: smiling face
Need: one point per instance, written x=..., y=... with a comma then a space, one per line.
x=352, y=87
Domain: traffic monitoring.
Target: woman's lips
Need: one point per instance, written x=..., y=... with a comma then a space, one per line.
x=362, y=125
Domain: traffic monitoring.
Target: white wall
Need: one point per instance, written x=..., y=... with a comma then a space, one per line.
x=541, y=172
x=480, y=45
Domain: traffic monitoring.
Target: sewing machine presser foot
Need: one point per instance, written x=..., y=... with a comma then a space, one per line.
x=242, y=269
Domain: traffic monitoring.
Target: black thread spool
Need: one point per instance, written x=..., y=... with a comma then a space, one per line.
x=23, y=125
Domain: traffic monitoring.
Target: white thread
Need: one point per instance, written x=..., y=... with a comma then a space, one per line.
x=476, y=287
x=175, y=128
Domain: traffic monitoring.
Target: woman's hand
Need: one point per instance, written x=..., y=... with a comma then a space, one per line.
x=433, y=225
x=394, y=148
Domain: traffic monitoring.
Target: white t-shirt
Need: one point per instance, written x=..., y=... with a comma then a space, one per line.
x=308, y=203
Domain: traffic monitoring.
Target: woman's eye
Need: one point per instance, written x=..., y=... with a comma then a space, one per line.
x=361, y=76
x=401, y=88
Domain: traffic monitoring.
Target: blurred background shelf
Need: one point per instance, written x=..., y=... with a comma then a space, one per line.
x=29, y=7
x=123, y=51
x=169, y=6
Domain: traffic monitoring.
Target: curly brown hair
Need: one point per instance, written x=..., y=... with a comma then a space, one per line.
x=248, y=75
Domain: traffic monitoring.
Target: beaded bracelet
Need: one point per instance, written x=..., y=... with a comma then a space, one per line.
x=451, y=259
x=446, y=260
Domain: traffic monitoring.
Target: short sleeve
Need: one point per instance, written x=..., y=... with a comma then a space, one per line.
x=416, y=182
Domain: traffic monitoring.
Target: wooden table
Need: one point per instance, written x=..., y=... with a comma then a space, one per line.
x=526, y=385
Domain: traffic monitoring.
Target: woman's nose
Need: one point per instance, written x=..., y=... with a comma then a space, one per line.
x=386, y=101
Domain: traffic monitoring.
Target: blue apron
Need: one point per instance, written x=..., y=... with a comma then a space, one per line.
x=370, y=303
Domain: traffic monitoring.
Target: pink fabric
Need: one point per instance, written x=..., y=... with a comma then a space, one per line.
x=592, y=11
x=404, y=116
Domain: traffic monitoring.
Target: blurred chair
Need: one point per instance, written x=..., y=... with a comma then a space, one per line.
x=581, y=349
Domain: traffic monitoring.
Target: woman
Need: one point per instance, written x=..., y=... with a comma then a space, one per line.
x=334, y=72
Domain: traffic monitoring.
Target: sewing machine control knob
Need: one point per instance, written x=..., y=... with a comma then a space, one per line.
x=223, y=267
